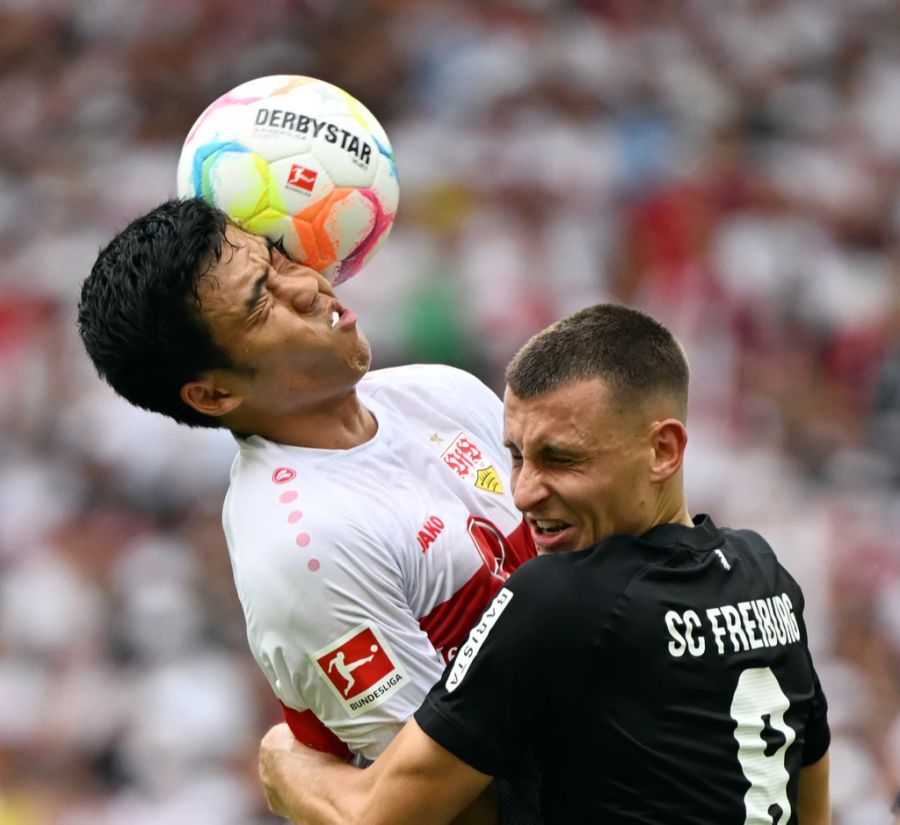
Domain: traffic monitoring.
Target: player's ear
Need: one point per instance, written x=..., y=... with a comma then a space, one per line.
x=209, y=396
x=668, y=439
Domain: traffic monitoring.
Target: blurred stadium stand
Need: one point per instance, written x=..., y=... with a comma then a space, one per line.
x=732, y=167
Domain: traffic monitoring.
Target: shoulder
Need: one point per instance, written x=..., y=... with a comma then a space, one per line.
x=297, y=552
x=420, y=378
x=749, y=541
x=278, y=503
x=621, y=555
x=568, y=582
x=758, y=554
x=269, y=488
x=439, y=396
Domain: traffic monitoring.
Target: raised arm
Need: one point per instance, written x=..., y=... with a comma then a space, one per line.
x=414, y=782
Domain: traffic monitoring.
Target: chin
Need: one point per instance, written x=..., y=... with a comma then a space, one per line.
x=361, y=360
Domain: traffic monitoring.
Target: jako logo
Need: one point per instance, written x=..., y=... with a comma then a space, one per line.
x=431, y=529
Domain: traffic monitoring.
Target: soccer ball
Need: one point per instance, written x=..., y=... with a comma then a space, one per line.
x=297, y=160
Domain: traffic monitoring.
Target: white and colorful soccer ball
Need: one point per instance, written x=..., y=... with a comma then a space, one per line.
x=298, y=160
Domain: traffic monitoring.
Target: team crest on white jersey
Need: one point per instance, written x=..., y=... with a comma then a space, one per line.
x=470, y=463
x=360, y=669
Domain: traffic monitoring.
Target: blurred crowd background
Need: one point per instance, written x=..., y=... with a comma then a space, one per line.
x=732, y=166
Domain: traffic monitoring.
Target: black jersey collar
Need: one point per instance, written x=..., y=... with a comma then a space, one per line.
x=704, y=535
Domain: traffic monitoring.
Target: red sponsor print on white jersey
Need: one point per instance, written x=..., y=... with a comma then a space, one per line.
x=448, y=622
x=491, y=544
x=282, y=475
x=302, y=177
x=360, y=669
x=431, y=529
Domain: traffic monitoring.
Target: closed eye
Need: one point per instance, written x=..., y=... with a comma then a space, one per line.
x=560, y=460
x=256, y=293
x=556, y=459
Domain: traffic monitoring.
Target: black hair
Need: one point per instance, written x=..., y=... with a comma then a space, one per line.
x=139, y=315
x=633, y=353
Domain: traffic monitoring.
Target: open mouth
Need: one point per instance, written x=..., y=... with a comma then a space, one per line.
x=547, y=527
x=552, y=535
x=340, y=316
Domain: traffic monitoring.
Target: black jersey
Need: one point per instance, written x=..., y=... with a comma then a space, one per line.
x=664, y=679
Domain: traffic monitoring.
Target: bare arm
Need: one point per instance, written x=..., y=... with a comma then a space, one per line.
x=414, y=782
x=813, y=802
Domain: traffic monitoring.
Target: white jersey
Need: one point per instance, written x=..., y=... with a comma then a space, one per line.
x=360, y=571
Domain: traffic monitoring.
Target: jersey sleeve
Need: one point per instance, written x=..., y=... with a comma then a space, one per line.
x=331, y=628
x=817, y=733
x=816, y=736
x=492, y=694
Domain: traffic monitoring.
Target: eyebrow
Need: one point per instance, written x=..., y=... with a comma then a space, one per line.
x=555, y=451
x=545, y=450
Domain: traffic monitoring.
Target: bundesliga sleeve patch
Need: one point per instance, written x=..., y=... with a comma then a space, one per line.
x=360, y=669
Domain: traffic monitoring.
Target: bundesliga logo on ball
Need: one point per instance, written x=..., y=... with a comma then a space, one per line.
x=297, y=160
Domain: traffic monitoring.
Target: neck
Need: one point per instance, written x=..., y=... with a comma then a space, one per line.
x=672, y=506
x=682, y=516
x=336, y=424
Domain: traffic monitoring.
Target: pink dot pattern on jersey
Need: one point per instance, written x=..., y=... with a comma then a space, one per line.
x=302, y=539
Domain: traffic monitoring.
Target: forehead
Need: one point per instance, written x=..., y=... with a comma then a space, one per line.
x=580, y=413
x=242, y=257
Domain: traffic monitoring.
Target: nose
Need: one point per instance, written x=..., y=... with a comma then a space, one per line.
x=298, y=287
x=527, y=487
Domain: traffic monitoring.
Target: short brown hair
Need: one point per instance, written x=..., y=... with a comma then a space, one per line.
x=633, y=353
